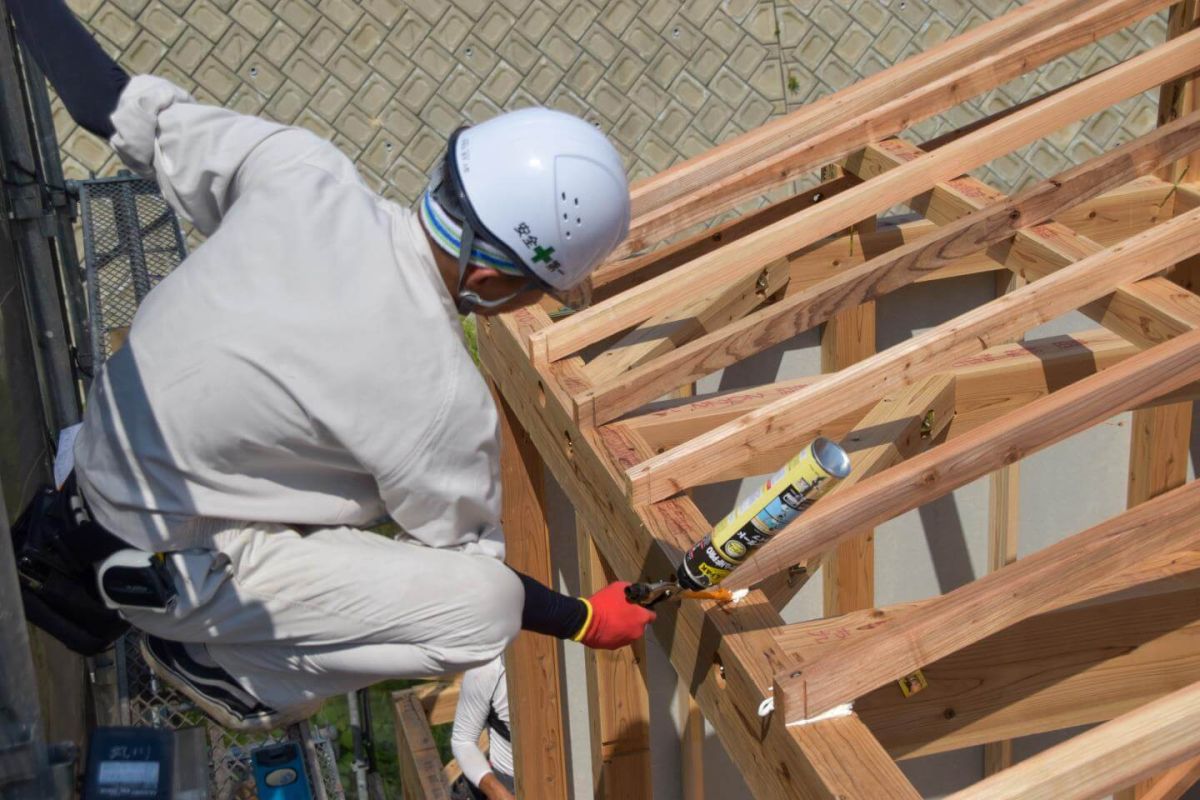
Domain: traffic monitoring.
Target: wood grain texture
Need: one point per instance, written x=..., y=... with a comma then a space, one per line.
x=693, y=463
x=420, y=765
x=994, y=221
x=675, y=326
x=873, y=108
x=899, y=645
x=536, y=717
x=1159, y=735
x=849, y=569
x=1003, y=441
x=1174, y=783
x=1147, y=313
x=1056, y=670
x=618, y=697
x=775, y=241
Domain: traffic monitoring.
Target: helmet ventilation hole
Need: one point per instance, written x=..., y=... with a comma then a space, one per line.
x=568, y=234
x=579, y=220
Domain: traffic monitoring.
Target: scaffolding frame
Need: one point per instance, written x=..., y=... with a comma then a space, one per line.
x=1098, y=628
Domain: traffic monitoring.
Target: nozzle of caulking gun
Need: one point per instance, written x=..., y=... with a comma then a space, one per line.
x=649, y=593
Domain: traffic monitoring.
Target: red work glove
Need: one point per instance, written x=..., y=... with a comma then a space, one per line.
x=613, y=621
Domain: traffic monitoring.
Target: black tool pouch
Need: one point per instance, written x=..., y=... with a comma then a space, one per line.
x=57, y=549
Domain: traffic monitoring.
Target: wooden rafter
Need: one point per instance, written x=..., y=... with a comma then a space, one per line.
x=902, y=644
x=1159, y=735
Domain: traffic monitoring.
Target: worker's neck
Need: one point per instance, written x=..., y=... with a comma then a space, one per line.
x=446, y=265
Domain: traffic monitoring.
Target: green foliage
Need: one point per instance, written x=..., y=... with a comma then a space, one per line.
x=336, y=714
x=468, y=324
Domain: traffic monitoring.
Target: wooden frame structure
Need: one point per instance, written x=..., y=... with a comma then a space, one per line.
x=1100, y=627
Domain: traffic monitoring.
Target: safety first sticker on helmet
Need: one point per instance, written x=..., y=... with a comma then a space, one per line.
x=541, y=255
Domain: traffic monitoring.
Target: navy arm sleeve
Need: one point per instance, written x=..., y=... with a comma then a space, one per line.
x=550, y=613
x=87, y=80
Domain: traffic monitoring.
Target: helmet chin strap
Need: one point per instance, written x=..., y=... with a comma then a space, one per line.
x=465, y=300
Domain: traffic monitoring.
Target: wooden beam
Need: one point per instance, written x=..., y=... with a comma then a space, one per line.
x=752, y=252
x=536, y=718
x=879, y=106
x=989, y=225
x=990, y=384
x=618, y=697
x=726, y=657
x=907, y=642
x=677, y=325
x=693, y=463
x=1174, y=783
x=1107, y=220
x=417, y=753
x=1068, y=667
x=1159, y=735
x=1010, y=438
x=1146, y=314
x=617, y=276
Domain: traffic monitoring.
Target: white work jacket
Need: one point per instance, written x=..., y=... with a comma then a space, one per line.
x=305, y=365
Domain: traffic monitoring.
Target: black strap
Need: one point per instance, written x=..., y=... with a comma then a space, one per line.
x=499, y=727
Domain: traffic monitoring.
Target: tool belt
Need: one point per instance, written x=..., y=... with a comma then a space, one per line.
x=57, y=548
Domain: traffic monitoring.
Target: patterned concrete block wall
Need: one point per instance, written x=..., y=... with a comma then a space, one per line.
x=388, y=80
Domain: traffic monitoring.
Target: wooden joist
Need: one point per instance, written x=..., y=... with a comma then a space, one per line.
x=970, y=234
x=775, y=241
x=879, y=106
x=1138, y=744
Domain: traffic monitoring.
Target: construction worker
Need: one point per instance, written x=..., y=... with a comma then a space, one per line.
x=303, y=375
x=483, y=702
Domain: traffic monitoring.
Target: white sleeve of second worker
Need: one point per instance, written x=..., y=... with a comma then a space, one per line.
x=194, y=151
x=470, y=718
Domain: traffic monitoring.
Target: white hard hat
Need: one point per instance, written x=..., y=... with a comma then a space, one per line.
x=543, y=187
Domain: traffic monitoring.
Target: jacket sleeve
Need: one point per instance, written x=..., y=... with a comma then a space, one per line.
x=470, y=717
x=200, y=155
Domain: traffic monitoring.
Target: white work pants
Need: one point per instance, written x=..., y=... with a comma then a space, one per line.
x=298, y=618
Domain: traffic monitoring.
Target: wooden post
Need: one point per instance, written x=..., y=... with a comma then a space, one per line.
x=618, y=697
x=535, y=700
x=420, y=765
x=1004, y=492
x=849, y=569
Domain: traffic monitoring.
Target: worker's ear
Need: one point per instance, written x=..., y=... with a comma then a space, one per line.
x=489, y=283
